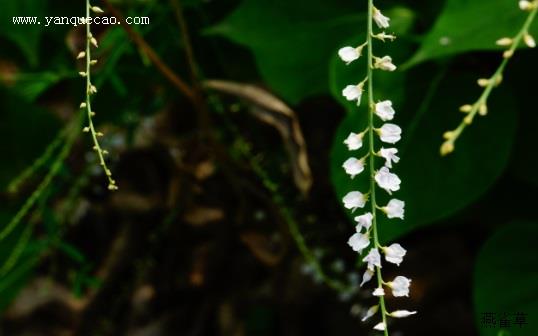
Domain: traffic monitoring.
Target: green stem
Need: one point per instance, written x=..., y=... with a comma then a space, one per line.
x=91, y=127
x=371, y=130
x=493, y=81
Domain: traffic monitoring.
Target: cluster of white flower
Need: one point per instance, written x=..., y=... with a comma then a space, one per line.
x=389, y=133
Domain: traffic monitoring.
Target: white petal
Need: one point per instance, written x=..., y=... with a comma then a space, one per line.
x=348, y=54
x=384, y=110
x=381, y=20
x=353, y=166
x=400, y=286
x=371, y=311
x=364, y=221
x=373, y=258
x=354, y=200
x=402, y=313
x=367, y=276
x=390, y=133
x=389, y=154
x=387, y=180
x=395, y=209
x=394, y=253
x=380, y=326
x=378, y=292
x=359, y=242
x=354, y=141
x=352, y=92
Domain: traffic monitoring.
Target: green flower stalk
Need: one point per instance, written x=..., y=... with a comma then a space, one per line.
x=480, y=106
x=91, y=90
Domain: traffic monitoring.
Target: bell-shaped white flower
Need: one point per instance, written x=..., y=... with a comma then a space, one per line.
x=394, y=209
x=390, y=133
x=359, y=242
x=402, y=313
x=379, y=291
x=389, y=154
x=381, y=20
x=354, y=92
x=394, y=253
x=364, y=221
x=380, y=326
x=367, y=276
x=373, y=258
x=387, y=180
x=384, y=63
x=353, y=166
x=370, y=312
x=384, y=110
x=354, y=200
x=400, y=286
x=349, y=54
x=354, y=141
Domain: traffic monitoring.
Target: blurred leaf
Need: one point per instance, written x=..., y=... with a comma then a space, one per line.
x=293, y=41
x=25, y=131
x=506, y=280
x=26, y=36
x=31, y=85
x=468, y=25
x=433, y=187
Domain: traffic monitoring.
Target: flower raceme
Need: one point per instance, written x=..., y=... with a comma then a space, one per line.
x=364, y=240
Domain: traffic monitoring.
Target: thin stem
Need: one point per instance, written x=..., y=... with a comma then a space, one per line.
x=89, y=92
x=371, y=130
x=448, y=145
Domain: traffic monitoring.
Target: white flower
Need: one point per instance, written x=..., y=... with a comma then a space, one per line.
x=384, y=110
x=353, y=92
x=371, y=311
x=400, y=286
x=354, y=200
x=402, y=313
x=389, y=154
x=367, y=276
x=529, y=40
x=379, y=291
x=354, y=141
x=384, y=63
x=394, y=253
x=359, y=242
x=381, y=20
x=390, y=133
x=364, y=221
x=373, y=258
x=380, y=326
x=387, y=180
x=394, y=209
x=353, y=166
x=349, y=54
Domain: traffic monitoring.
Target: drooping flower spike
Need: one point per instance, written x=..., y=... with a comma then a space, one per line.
x=378, y=161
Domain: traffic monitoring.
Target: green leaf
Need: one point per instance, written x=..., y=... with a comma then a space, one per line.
x=470, y=25
x=26, y=36
x=25, y=131
x=31, y=85
x=433, y=187
x=293, y=41
x=506, y=280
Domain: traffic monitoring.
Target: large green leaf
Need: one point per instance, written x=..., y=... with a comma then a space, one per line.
x=26, y=36
x=293, y=41
x=506, y=279
x=433, y=187
x=468, y=25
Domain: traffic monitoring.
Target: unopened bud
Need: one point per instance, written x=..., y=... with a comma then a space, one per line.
x=466, y=108
x=81, y=54
x=447, y=148
x=505, y=42
x=483, y=110
x=529, y=40
x=98, y=10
